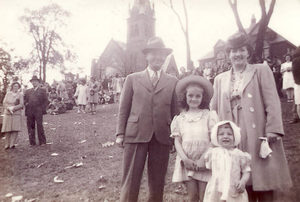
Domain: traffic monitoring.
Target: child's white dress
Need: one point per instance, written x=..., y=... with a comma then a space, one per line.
x=227, y=167
x=194, y=132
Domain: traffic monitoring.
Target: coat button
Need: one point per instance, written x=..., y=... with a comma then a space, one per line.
x=253, y=125
x=249, y=95
x=251, y=109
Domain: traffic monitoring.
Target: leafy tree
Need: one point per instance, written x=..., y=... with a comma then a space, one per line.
x=49, y=49
x=6, y=71
x=263, y=26
x=185, y=30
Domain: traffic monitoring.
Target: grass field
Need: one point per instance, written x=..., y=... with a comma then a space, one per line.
x=80, y=138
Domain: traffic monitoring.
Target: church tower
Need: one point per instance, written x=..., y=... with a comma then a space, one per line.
x=140, y=28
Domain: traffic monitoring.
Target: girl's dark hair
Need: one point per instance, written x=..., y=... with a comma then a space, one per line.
x=183, y=104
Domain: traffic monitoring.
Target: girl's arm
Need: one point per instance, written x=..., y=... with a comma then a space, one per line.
x=188, y=163
x=242, y=183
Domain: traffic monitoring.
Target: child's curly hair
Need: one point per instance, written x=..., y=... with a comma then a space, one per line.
x=182, y=99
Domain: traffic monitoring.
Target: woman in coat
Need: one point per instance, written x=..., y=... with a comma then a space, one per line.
x=247, y=95
x=13, y=103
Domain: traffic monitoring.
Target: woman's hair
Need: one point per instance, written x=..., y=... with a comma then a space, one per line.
x=12, y=85
x=291, y=58
x=248, y=47
x=182, y=99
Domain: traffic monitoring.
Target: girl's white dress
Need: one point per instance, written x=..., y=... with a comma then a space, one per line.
x=194, y=132
x=288, y=78
x=227, y=167
x=82, y=93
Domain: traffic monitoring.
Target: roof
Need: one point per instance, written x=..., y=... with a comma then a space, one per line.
x=209, y=55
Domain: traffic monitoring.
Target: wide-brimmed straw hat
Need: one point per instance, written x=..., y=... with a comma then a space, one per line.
x=35, y=78
x=194, y=79
x=156, y=43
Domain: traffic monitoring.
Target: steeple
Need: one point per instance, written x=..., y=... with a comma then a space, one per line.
x=140, y=27
x=142, y=7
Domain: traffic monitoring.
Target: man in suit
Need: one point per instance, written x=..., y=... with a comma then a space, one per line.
x=36, y=101
x=147, y=105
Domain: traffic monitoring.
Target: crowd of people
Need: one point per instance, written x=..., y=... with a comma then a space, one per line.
x=224, y=127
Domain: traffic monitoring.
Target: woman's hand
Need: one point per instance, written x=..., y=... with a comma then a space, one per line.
x=273, y=137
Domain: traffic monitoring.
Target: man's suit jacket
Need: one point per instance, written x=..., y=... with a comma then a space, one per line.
x=145, y=110
x=35, y=101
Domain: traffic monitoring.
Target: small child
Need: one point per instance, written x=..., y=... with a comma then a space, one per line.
x=81, y=95
x=230, y=166
x=191, y=132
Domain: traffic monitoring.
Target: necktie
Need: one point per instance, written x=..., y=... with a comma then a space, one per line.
x=154, y=78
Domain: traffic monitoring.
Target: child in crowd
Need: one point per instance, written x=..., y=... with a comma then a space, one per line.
x=191, y=131
x=230, y=166
x=52, y=94
x=81, y=95
x=57, y=106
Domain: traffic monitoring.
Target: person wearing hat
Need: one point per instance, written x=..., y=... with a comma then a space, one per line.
x=247, y=96
x=12, y=120
x=148, y=103
x=287, y=78
x=36, y=102
x=191, y=131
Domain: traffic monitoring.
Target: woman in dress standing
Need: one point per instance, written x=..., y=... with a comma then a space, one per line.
x=13, y=103
x=287, y=78
x=247, y=96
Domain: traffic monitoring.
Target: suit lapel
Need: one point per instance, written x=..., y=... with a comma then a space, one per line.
x=145, y=80
x=249, y=72
x=162, y=82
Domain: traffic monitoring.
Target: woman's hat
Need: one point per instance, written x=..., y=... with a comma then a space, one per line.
x=236, y=133
x=238, y=40
x=35, y=78
x=156, y=43
x=194, y=79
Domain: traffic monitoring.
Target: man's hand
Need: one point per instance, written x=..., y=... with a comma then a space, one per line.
x=120, y=140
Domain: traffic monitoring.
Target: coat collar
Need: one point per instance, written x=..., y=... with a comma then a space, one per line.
x=248, y=74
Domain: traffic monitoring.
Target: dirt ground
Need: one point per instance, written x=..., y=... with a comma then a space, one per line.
x=87, y=169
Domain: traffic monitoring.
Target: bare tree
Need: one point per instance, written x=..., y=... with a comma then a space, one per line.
x=233, y=6
x=185, y=30
x=263, y=26
x=49, y=48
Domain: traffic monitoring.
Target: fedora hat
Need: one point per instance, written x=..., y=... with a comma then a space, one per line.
x=156, y=43
x=194, y=79
x=35, y=78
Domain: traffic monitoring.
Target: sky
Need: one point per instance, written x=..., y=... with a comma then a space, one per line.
x=94, y=22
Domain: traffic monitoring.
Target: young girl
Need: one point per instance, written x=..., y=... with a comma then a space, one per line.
x=230, y=166
x=81, y=95
x=191, y=132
